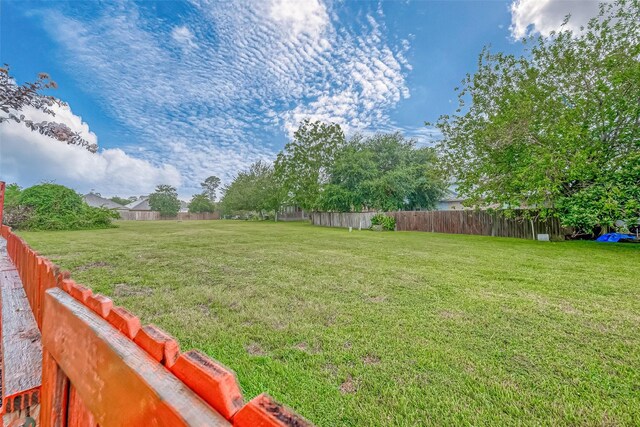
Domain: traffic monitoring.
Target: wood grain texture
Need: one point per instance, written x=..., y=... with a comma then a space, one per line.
x=117, y=381
x=54, y=394
x=78, y=415
x=21, y=345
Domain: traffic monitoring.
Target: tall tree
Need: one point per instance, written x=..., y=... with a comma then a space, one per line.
x=255, y=190
x=210, y=186
x=383, y=172
x=14, y=98
x=302, y=166
x=165, y=200
x=557, y=129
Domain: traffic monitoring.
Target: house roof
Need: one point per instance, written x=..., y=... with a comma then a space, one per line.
x=139, y=205
x=451, y=194
x=100, y=202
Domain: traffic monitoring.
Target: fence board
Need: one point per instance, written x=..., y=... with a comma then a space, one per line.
x=481, y=223
x=119, y=383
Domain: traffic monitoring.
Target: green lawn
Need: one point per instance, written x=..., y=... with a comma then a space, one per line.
x=369, y=328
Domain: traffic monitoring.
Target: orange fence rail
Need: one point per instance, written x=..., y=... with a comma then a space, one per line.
x=102, y=367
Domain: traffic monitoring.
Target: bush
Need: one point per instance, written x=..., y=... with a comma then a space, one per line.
x=55, y=207
x=387, y=222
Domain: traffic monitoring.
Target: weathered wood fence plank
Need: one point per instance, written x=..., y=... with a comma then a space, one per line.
x=117, y=381
x=482, y=223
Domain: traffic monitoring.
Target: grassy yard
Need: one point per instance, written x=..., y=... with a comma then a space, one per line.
x=372, y=329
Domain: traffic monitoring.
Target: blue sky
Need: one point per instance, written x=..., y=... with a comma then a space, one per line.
x=174, y=91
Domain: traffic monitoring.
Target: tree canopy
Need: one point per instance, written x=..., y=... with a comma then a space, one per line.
x=122, y=200
x=201, y=203
x=255, y=189
x=557, y=129
x=165, y=200
x=302, y=166
x=210, y=186
x=382, y=172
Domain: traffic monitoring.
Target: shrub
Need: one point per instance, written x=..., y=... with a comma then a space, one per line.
x=55, y=207
x=387, y=222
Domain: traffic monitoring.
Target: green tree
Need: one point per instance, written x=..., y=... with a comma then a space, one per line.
x=383, y=172
x=255, y=190
x=165, y=200
x=302, y=166
x=201, y=203
x=557, y=129
x=210, y=186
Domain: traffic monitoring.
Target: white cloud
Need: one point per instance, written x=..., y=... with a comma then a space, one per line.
x=218, y=108
x=544, y=16
x=300, y=16
x=184, y=37
x=27, y=157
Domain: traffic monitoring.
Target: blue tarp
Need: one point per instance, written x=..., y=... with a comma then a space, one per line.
x=615, y=237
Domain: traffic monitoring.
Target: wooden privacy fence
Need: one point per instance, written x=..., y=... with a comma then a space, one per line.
x=155, y=216
x=482, y=223
x=101, y=367
x=356, y=220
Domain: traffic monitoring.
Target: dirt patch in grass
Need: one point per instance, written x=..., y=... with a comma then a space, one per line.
x=348, y=386
x=254, y=349
x=95, y=264
x=376, y=300
x=127, y=290
x=450, y=314
x=303, y=346
x=204, y=309
x=371, y=359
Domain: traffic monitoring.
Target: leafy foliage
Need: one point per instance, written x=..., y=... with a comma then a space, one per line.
x=302, y=167
x=557, y=129
x=122, y=200
x=387, y=222
x=11, y=195
x=13, y=98
x=165, y=200
x=210, y=186
x=201, y=203
x=383, y=172
x=53, y=207
x=255, y=190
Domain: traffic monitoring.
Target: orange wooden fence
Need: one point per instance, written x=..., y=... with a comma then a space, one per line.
x=101, y=367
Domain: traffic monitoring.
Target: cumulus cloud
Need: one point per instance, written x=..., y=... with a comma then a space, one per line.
x=544, y=16
x=260, y=68
x=28, y=158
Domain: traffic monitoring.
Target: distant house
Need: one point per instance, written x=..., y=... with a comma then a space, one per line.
x=451, y=200
x=97, y=201
x=142, y=204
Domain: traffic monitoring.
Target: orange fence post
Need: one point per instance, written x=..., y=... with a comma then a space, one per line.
x=2, y=188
